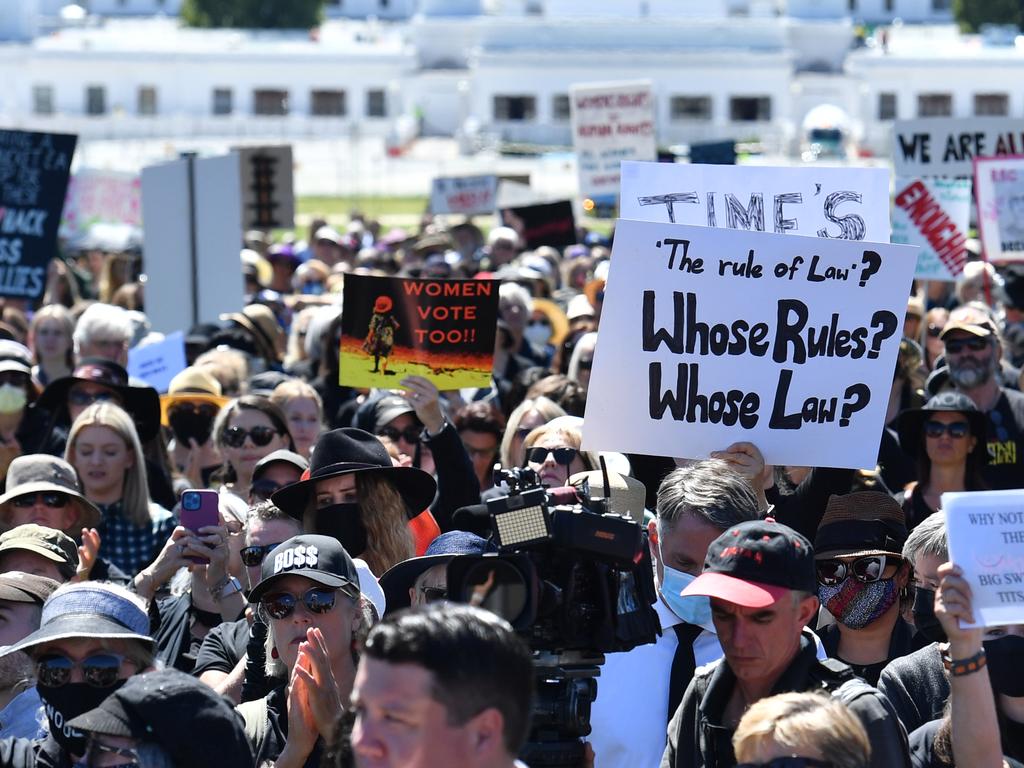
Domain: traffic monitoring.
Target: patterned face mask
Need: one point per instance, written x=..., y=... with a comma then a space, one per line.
x=856, y=604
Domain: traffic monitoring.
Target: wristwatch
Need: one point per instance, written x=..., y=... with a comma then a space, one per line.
x=228, y=586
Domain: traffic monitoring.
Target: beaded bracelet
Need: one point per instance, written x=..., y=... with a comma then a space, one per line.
x=961, y=667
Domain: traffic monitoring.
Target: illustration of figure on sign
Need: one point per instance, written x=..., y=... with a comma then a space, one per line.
x=380, y=336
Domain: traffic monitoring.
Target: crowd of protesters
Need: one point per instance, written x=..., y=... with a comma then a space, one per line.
x=808, y=615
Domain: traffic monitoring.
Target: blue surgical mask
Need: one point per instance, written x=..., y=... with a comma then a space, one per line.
x=693, y=610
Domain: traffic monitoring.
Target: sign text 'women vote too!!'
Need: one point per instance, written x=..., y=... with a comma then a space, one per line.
x=709, y=336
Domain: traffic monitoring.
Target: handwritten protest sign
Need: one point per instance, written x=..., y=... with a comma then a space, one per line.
x=545, y=224
x=844, y=203
x=999, y=189
x=34, y=171
x=947, y=146
x=443, y=330
x=709, y=336
x=986, y=539
x=933, y=214
x=611, y=122
x=468, y=195
x=101, y=197
x=159, y=362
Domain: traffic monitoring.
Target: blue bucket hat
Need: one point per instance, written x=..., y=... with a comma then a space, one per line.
x=397, y=580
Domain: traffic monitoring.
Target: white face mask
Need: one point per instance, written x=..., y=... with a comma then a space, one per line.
x=12, y=398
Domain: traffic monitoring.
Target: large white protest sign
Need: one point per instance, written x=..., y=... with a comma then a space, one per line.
x=611, y=122
x=986, y=540
x=846, y=203
x=467, y=195
x=999, y=189
x=934, y=146
x=933, y=214
x=159, y=362
x=709, y=336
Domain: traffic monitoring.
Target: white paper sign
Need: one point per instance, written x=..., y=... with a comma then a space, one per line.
x=845, y=203
x=710, y=336
x=159, y=362
x=933, y=214
x=986, y=539
x=999, y=189
x=468, y=195
x=611, y=123
x=96, y=196
x=941, y=146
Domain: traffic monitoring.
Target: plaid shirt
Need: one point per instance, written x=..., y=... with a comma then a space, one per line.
x=128, y=547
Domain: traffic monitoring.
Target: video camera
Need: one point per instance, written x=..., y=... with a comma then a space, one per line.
x=575, y=579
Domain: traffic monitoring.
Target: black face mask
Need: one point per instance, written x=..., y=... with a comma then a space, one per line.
x=345, y=523
x=1005, y=670
x=68, y=702
x=188, y=425
x=924, y=615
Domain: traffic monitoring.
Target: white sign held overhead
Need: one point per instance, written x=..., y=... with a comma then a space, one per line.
x=159, y=362
x=947, y=146
x=611, y=123
x=933, y=214
x=466, y=195
x=709, y=336
x=999, y=189
x=839, y=203
x=986, y=540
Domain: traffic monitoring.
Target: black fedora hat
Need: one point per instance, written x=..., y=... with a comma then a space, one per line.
x=349, y=451
x=911, y=422
x=143, y=403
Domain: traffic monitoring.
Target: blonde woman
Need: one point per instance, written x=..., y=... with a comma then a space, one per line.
x=553, y=452
x=103, y=447
x=527, y=416
x=303, y=410
x=50, y=338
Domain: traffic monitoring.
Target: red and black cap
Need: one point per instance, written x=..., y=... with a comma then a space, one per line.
x=755, y=564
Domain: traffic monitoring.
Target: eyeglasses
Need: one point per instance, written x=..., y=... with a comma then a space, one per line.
x=956, y=429
x=82, y=397
x=235, y=436
x=563, y=456
x=956, y=346
x=316, y=600
x=53, y=499
x=866, y=569
x=100, y=670
x=252, y=556
x=410, y=434
x=433, y=594
x=790, y=762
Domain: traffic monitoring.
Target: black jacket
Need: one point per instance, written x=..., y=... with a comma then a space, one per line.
x=698, y=737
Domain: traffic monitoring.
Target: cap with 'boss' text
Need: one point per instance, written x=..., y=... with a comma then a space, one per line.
x=319, y=558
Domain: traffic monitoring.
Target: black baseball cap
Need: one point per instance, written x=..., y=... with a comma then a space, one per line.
x=319, y=558
x=755, y=564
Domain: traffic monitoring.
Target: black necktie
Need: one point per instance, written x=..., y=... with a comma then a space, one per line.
x=683, y=664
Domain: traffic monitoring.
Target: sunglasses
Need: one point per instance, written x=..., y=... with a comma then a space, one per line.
x=790, y=762
x=81, y=397
x=252, y=556
x=585, y=364
x=100, y=670
x=434, y=594
x=956, y=429
x=53, y=499
x=234, y=437
x=866, y=569
x=563, y=456
x=956, y=346
x=200, y=410
x=935, y=330
x=264, y=489
x=283, y=604
x=409, y=434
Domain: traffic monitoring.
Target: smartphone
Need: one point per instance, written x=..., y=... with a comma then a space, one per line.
x=199, y=508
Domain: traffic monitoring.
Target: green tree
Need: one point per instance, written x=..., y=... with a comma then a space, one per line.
x=971, y=14
x=253, y=14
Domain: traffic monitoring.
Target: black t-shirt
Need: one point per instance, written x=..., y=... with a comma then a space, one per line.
x=222, y=647
x=271, y=745
x=1005, y=468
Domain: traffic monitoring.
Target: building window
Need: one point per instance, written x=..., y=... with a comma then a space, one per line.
x=852, y=6
x=887, y=106
x=689, y=108
x=269, y=102
x=42, y=99
x=95, y=100
x=376, y=103
x=935, y=105
x=889, y=5
x=560, y=110
x=147, y=100
x=515, y=108
x=750, y=109
x=327, y=103
x=991, y=104
x=942, y=5
x=222, y=101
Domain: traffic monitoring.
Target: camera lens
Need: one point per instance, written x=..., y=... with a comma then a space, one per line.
x=497, y=586
x=190, y=501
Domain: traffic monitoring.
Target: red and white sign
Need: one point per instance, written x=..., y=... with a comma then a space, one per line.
x=933, y=214
x=467, y=195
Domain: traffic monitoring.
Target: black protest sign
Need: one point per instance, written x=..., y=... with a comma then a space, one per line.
x=268, y=197
x=546, y=224
x=34, y=169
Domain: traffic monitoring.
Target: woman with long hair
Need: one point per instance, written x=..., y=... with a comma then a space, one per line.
x=304, y=411
x=527, y=416
x=103, y=447
x=247, y=429
x=50, y=339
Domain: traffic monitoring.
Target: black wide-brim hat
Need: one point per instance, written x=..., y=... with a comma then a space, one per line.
x=910, y=423
x=143, y=403
x=350, y=451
